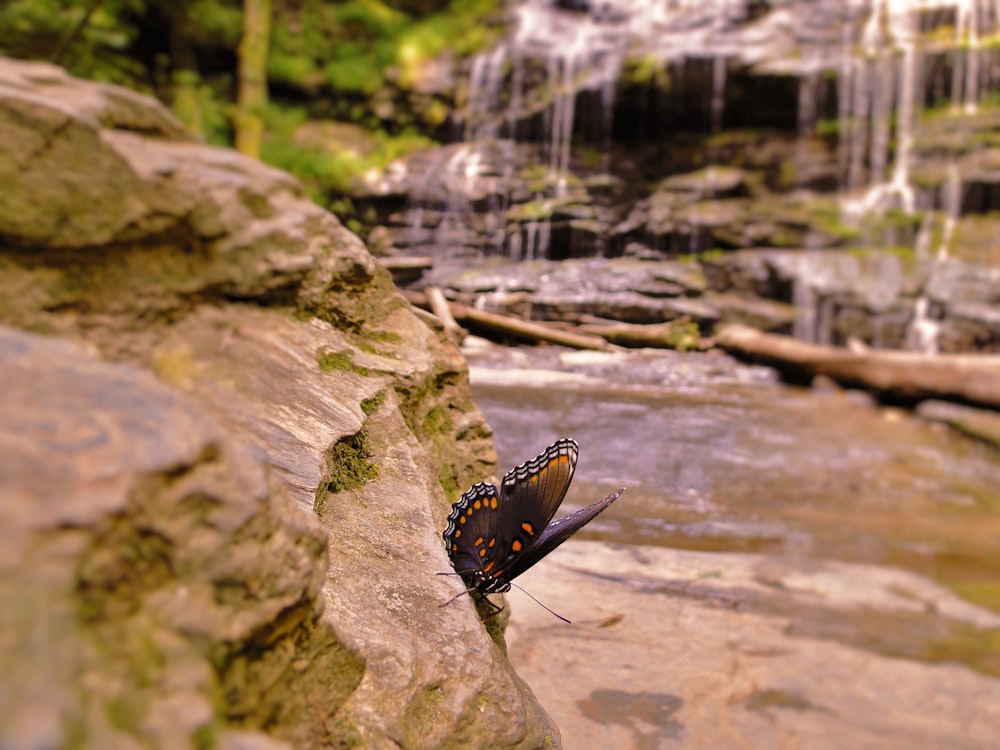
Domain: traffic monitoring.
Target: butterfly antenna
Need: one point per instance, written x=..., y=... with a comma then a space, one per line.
x=460, y=594
x=519, y=588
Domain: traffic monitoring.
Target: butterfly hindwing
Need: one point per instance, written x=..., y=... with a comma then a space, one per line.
x=471, y=534
x=558, y=532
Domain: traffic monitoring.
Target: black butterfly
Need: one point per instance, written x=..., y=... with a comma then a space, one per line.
x=493, y=536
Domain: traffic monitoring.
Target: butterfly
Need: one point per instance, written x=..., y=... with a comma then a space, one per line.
x=493, y=535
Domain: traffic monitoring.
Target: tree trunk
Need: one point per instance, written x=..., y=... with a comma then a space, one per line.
x=252, y=95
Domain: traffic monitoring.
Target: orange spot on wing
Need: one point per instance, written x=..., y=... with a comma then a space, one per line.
x=482, y=552
x=516, y=546
x=528, y=528
x=492, y=542
x=479, y=541
x=493, y=503
x=488, y=566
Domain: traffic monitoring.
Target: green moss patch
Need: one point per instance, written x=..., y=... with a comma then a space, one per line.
x=371, y=405
x=349, y=468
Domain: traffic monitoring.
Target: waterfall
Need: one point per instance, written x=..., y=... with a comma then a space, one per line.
x=555, y=79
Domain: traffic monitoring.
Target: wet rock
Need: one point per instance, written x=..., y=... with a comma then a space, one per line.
x=625, y=289
x=765, y=315
x=254, y=548
x=711, y=182
x=978, y=423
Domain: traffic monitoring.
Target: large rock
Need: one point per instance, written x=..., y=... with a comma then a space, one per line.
x=176, y=589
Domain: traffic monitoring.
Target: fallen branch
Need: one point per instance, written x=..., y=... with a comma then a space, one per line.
x=527, y=329
x=969, y=378
x=441, y=308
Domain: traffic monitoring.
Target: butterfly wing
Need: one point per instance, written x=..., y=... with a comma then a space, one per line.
x=488, y=529
x=556, y=533
x=471, y=537
x=530, y=494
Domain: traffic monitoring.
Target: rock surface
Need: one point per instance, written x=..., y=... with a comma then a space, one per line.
x=695, y=649
x=248, y=541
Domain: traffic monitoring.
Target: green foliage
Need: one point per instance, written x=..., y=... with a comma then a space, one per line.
x=349, y=61
x=359, y=74
x=291, y=68
x=328, y=171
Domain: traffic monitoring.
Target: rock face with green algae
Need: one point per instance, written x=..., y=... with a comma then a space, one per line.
x=175, y=584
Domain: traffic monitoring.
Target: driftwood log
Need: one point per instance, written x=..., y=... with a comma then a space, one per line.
x=897, y=375
x=442, y=310
x=451, y=313
x=527, y=329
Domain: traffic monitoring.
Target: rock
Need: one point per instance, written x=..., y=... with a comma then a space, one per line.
x=673, y=648
x=981, y=424
x=763, y=314
x=138, y=569
x=282, y=499
x=711, y=182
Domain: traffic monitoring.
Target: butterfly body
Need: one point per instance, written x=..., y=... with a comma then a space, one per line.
x=494, y=535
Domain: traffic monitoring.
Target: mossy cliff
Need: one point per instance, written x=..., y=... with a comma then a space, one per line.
x=218, y=356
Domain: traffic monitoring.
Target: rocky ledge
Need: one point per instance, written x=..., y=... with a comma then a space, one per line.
x=229, y=447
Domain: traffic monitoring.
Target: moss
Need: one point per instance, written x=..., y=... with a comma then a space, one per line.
x=348, y=468
x=984, y=593
x=828, y=128
x=371, y=405
x=342, y=361
x=978, y=649
x=258, y=690
x=204, y=737
x=684, y=335
x=648, y=70
x=788, y=174
x=176, y=366
x=359, y=305
x=711, y=255
x=437, y=420
x=449, y=483
x=125, y=712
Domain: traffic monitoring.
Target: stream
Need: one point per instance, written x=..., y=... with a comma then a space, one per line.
x=815, y=527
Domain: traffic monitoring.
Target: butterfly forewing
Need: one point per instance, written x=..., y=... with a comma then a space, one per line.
x=530, y=494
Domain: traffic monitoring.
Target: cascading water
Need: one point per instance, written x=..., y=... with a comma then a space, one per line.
x=555, y=118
